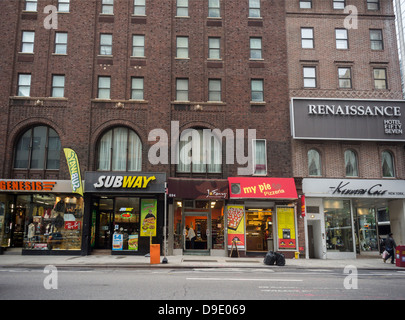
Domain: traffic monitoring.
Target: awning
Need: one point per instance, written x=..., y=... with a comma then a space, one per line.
x=262, y=188
x=198, y=189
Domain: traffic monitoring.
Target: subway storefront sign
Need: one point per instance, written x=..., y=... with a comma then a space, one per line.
x=125, y=182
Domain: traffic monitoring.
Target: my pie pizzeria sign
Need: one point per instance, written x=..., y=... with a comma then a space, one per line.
x=333, y=119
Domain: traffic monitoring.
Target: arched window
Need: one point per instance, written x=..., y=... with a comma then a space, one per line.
x=120, y=149
x=314, y=163
x=38, y=148
x=351, y=165
x=387, y=160
x=199, y=153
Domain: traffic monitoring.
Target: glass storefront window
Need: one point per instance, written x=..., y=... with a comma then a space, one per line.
x=338, y=226
x=367, y=229
x=49, y=222
x=126, y=222
x=208, y=225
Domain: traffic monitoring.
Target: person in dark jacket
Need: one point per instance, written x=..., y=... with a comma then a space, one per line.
x=390, y=246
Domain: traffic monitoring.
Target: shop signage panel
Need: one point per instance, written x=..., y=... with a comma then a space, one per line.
x=354, y=188
x=198, y=189
x=286, y=228
x=334, y=119
x=236, y=226
x=125, y=182
x=148, y=217
x=21, y=185
x=262, y=188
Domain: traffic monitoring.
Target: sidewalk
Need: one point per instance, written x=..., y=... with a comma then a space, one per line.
x=14, y=259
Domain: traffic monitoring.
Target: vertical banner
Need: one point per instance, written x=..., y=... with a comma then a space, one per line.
x=74, y=169
x=148, y=217
x=286, y=228
x=236, y=226
x=303, y=211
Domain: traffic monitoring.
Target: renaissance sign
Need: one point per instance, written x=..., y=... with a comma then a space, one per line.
x=332, y=119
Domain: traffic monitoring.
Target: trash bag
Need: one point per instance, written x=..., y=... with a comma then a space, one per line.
x=270, y=258
x=280, y=259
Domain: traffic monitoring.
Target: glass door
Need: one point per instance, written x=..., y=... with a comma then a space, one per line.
x=197, y=235
x=105, y=224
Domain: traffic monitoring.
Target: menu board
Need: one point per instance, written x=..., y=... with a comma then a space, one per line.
x=236, y=226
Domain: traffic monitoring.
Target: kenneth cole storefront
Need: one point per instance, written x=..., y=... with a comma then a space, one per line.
x=125, y=210
x=41, y=217
x=345, y=217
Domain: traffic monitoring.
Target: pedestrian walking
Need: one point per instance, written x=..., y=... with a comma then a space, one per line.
x=390, y=246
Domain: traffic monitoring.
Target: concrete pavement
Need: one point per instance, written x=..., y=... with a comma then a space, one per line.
x=14, y=259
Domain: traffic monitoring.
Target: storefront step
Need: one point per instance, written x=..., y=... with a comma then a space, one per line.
x=196, y=253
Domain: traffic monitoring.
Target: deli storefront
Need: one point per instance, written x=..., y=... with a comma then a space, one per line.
x=346, y=217
x=41, y=217
x=197, y=208
x=125, y=210
x=262, y=215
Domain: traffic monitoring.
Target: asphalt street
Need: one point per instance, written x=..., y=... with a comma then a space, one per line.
x=165, y=284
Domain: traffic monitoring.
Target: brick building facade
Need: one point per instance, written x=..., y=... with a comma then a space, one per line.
x=337, y=64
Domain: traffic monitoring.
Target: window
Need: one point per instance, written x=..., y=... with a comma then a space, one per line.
x=61, y=42
x=214, y=8
x=309, y=77
x=182, y=47
x=27, y=45
x=380, y=78
x=104, y=87
x=338, y=225
x=341, y=39
x=255, y=48
x=214, y=48
x=314, y=163
x=138, y=46
x=214, y=90
x=106, y=44
x=254, y=8
x=257, y=90
x=376, y=40
x=24, y=85
x=182, y=8
x=388, y=165
x=351, y=165
x=120, y=149
x=137, y=88
x=38, y=148
x=260, y=157
x=58, y=86
x=373, y=4
x=31, y=5
x=199, y=152
x=307, y=38
x=63, y=5
x=140, y=7
x=339, y=4
x=305, y=4
x=107, y=6
x=182, y=89
x=345, y=78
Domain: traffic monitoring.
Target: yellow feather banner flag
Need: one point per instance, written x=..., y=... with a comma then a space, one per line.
x=74, y=169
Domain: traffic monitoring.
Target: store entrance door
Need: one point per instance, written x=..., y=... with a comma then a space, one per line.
x=105, y=224
x=199, y=225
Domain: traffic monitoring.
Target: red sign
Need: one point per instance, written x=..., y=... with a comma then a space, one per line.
x=262, y=188
x=26, y=185
x=72, y=225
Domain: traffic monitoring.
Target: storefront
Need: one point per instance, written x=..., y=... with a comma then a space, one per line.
x=261, y=215
x=125, y=210
x=345, y=217
x=196, y=216
x=41, y=217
